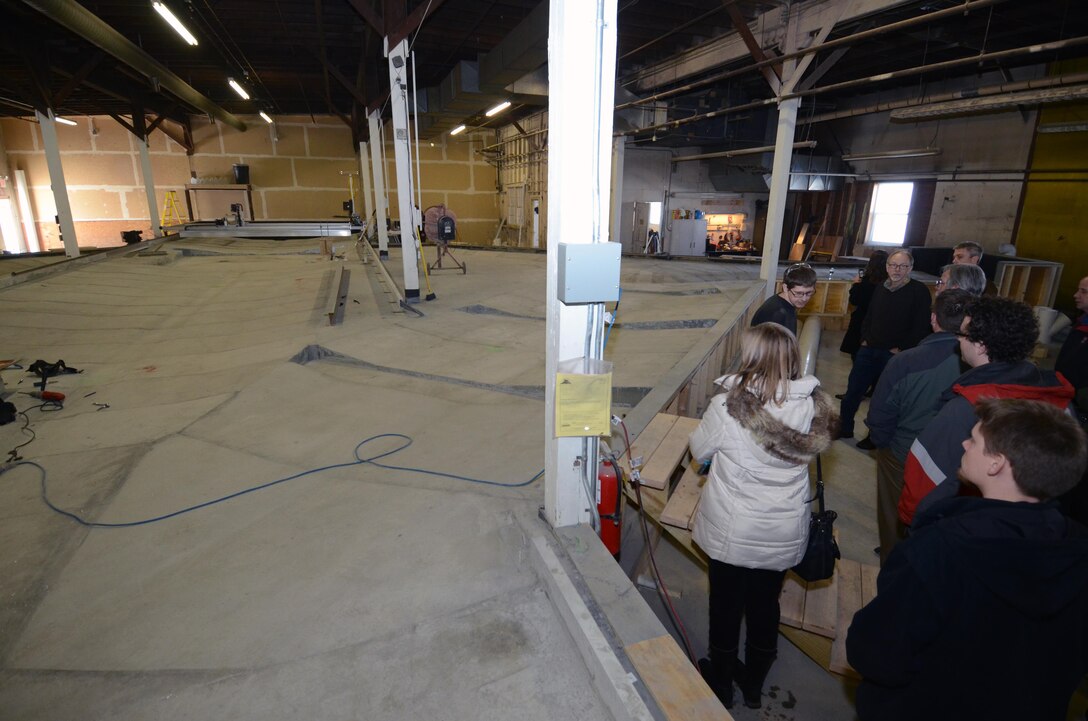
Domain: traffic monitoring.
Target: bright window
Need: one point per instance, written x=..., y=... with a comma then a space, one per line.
x=889, y=213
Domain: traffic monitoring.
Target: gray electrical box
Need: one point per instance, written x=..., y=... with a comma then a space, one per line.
x=589, y=272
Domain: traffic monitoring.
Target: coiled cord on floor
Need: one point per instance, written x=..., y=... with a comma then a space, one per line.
x=372, y=460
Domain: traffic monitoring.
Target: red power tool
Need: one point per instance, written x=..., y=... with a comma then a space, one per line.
x=45, y=395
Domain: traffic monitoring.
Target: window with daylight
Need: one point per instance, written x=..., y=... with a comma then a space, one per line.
x=889, y=213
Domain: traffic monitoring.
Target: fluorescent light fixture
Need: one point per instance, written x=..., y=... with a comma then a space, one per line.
x=66, y=121
x=887, y=154
x=174, y=22
x=498, y=108
x=238, y=88
x=458, y=129
x=264, y=115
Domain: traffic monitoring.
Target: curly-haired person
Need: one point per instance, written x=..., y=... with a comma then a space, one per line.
x=996, y=338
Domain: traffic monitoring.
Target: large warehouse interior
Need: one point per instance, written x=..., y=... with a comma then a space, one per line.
x=309, y=278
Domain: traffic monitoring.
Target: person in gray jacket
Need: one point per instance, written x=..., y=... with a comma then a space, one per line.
x=906, y=399
x=753, y=517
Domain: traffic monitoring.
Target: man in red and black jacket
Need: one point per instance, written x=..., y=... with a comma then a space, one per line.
x=996, y=338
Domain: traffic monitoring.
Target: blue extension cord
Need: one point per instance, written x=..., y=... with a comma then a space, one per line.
x=358, y=461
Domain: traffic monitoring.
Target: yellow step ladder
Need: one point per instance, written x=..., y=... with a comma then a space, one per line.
x=171, y=211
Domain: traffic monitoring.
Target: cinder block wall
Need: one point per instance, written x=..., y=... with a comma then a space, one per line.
x=294, y=169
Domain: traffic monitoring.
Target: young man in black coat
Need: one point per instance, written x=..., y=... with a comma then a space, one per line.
x=982, y=613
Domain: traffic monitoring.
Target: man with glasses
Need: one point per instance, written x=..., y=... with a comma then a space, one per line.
x=996, y=337
x=798, y=286
x=898, y=319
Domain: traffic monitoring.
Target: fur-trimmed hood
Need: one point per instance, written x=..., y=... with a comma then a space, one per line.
x=778, y=439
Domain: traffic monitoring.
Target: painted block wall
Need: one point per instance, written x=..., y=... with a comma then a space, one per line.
x=1054, y=219
x=294, y=165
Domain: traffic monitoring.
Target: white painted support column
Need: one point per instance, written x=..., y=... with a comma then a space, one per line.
x=149, y=188
x=364, y=177
x=398, y=103
x=376, y=142
x=56, y=180
x=780, y=183
x=619, y=146
x=581, y=78
x=783, y=159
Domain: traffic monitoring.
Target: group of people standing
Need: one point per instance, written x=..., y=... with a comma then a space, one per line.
x=982, y=603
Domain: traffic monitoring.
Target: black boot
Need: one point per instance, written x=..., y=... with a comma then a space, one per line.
x=718, y=671
x=757, y=663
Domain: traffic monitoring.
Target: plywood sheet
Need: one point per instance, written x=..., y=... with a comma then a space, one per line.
x=849, y=583
x=680, y=510
x=674, y=683
x=821, y=606
x=658, y=470
x=792, y=601
x=868, y=583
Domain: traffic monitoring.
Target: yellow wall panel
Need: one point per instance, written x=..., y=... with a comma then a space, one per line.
x=213, y=166
x=206, y=137
x=305, y=204
x=476, y=232
x=19, y=134
x=271, y=172
x=329, y=142
x=74, y=138
x=96, y=205
x=98, y=169
x=485, y=177
x=37, y=172
x=447, y=176
x=474, y=205
x=170, y=169
x=460, y=150
x=291, y=140
x=111, y=137
x=323, y=173
x=257, y=140
x=136, y=204
x=1054, y=217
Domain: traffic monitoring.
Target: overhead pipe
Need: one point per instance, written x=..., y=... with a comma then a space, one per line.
x=91, y=28
x=742, y=151
x=829, y=45
x=1037, y=83
x=917, y=70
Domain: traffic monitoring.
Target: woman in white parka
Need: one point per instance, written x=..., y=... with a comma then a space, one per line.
x=752, y=520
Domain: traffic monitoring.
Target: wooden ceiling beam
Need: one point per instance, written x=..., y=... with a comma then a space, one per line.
x=80, y=75
x=367, y=13
x=411, y=23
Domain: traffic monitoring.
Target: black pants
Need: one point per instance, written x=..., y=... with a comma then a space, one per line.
x=751, y=593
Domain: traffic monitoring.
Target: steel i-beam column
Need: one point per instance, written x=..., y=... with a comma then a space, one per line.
x=56, y=180
x=398, y=102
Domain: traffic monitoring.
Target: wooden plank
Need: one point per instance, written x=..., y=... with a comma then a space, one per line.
x=821, y=607
x=792, y=601
x=676, y=686
x=868, y=583
x=815, y=647
x=658, y=470
x=680, y=509
x=338, y=293
x=646, y=442
x=849, y=583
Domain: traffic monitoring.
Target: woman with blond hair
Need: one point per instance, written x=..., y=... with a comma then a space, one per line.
x=752, y=521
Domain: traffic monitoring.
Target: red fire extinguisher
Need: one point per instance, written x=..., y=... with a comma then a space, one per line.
x=609, y=507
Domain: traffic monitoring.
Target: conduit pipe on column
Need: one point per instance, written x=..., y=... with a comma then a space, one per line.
x=91, y=28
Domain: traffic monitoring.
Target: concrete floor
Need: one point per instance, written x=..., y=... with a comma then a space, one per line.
x=354, y=592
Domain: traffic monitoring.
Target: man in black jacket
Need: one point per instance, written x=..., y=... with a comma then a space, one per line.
x=982, y=613
x=898, y=319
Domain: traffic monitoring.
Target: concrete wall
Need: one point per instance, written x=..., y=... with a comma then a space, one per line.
x=968, y=205
x=294, y=169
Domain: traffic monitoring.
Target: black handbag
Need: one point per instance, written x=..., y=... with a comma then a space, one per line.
x=819, y=561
